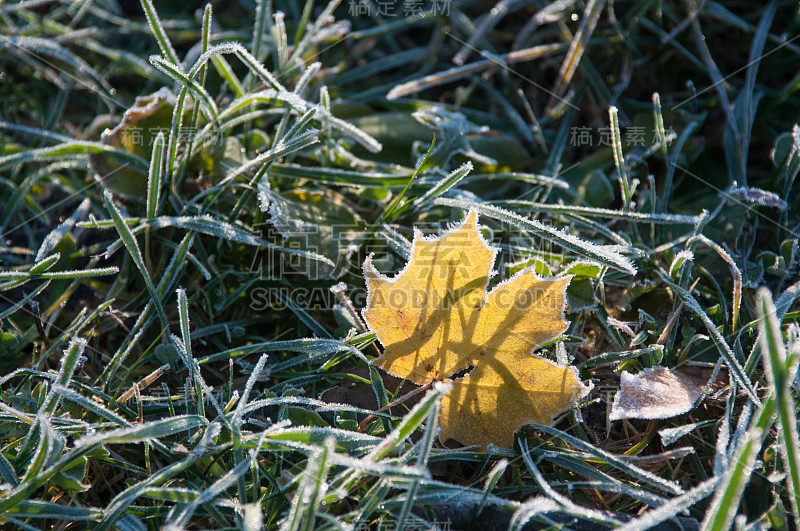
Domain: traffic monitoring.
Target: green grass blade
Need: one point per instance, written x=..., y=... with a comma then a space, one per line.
x=66, y=370
x=138, y=433
x=449, y=181
x=619, y=158
x=614, y=461
x=205, y=225
x=311, y=491
x=604, y=213
x=24, y=300
x=185, y=346
x=85, y=273
x=129, y=240
x=393, y=208
x=158, y=32
x=423, y=450
x=261, y=27
x=781, y=371
x=120, y=503
x=722, y=346
x=72, y=150
x=308, y=345
x=173, y=71
x=155, y=175
x=723, y=508
x=183, y=516
x=57, y=234
x=38, y=509
x=672, y=508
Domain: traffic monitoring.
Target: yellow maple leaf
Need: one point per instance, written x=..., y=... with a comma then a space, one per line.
x=435, y=319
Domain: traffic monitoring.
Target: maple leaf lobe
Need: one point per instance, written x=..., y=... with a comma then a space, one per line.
x=493, y=401
x=413, y=313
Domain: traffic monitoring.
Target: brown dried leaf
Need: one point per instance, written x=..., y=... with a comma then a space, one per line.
x=655, y=393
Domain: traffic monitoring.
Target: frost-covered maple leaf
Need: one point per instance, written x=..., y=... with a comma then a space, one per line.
x=435, y=318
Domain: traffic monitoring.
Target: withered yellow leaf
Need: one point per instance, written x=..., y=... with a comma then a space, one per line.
x=435, y=319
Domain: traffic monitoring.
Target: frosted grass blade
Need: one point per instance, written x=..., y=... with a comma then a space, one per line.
x=584, y=248
x=156, y=429
x=310, y=345
x=38, y=509
x=192, y=86
x=121, y=501
x=423, y=450
x=133, y=249
x=55, y=236
x=155, y=175
x=577, y=47
x=619, y=158
x=460, y=72
x=735, y=271
x=72, y=150
x=781, y=371
x=673, y=507
x=448, y=182
x=78, y=273
x=614, y=461
x=158, y=32
x=24, y=300
x=311, y=490
x=185, y=513
x=605, y=213
x=204, y=225
x=722, y=346
x=729, y=492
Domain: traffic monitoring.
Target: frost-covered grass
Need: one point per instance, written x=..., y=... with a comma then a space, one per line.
x=179, y=298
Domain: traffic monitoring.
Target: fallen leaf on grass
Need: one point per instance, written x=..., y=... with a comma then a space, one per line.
x=436, y=319
x=135, y=134
x=656, y=393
